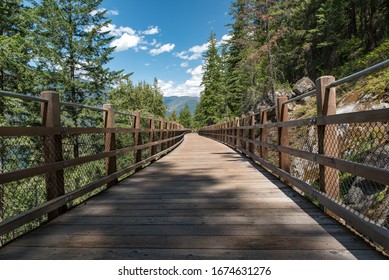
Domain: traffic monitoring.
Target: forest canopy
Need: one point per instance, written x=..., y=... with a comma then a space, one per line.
x=274, y=43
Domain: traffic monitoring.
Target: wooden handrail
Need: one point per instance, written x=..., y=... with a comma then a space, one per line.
x=159, y=141
x=326, y=155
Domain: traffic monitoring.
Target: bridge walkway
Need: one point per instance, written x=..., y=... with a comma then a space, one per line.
x=202, y=201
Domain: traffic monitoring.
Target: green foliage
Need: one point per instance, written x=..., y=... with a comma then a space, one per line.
x=72, y=51
x=146, y=98
x=211, y=107
x=173, y=116
x=185, y=117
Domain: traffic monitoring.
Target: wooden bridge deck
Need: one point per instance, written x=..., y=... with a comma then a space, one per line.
x=202, y=201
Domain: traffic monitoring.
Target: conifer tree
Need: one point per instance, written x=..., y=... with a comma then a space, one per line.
x=74, y=50
x=185, y=117
x=212, y=101
x=146, y=98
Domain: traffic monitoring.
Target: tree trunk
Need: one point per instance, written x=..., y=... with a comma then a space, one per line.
x=352, y=28
x=270, y=57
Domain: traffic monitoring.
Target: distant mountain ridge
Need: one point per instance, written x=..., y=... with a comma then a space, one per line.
x=178, y=103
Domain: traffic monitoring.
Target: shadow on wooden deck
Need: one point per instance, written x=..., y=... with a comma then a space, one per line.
x=202, y=201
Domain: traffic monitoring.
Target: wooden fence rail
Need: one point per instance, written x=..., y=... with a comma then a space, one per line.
x=328, y=164
x=142, y=140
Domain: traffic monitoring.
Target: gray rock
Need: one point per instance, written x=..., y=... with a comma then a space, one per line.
x=354, y=195
x=303, y=85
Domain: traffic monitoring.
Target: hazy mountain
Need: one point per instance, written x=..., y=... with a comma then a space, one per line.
x=178, y=103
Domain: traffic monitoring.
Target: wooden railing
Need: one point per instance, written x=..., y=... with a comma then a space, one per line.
x=340, y=161
x=47, y=168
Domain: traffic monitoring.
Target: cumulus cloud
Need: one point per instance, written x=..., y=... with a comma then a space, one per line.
x=125, y=42
x=109, y=12
x=193, y=53
x=226, y=38
x=127, y=38
x=117, y=31
x=162, y=49
x=191, y=87
x=113, y=12
x=184, y=64
x=151, y=31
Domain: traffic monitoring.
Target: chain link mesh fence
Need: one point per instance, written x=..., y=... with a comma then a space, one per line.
x=18, y=153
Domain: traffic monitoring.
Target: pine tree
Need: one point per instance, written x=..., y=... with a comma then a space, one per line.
x=74, y=50
x=185, y=117
x=212, y=101
x=146, y=98
x=15, y=50
x=173, y=116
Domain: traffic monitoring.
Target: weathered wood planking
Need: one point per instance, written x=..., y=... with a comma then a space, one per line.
x=202, y=201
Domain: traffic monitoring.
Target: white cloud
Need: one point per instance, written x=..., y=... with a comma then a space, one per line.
x=109, y=12
x=191, y=87
x=193, y=53
x=184, y=64
x=226, y=38
x=199, y=49
x=118, y=31
x=125, y=42
x=127, y=38
x=113, y=12
x=151, y=31
x=162, y=49
x=198, y=71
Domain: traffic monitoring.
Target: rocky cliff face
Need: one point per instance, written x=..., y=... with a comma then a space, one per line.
x=364, y=143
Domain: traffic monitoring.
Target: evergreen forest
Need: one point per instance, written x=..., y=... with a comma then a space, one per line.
x=59, y=45
x=274, y=43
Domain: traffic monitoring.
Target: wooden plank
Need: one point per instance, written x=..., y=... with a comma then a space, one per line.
x=52, y=150
x=373, y=173
x=54, y=253
x=120, y=218
x=29, y=131
x=198, y=216
x=276, y=242
x=353, y=219
x=73, y=216
x=379, y=115
x=191, y=230
x=36, y=212
x=327, y=136
x=283, y=133
x=110, y=142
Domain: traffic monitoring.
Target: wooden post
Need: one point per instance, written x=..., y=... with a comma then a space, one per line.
x=237, y=132
x=153, y=149
x=224, y=131
x=52, y=146
x=231, y=132
x=327, y=136
x=252, y=132
x=168, y=133
x=161, y=134
x=263, y=134
x=137, y=140
x=110, y=142
x=244, y=132
x=283, y=138
x=218, y=132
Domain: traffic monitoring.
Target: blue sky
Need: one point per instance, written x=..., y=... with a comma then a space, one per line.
x=165, y=39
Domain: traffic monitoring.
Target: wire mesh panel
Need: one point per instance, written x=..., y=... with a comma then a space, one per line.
x=366, y=144
x=272, y=138
x=18, y=153
x=304, y=138
x=340, y=161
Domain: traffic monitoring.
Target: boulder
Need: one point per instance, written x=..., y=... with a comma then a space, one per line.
x=303, y=85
